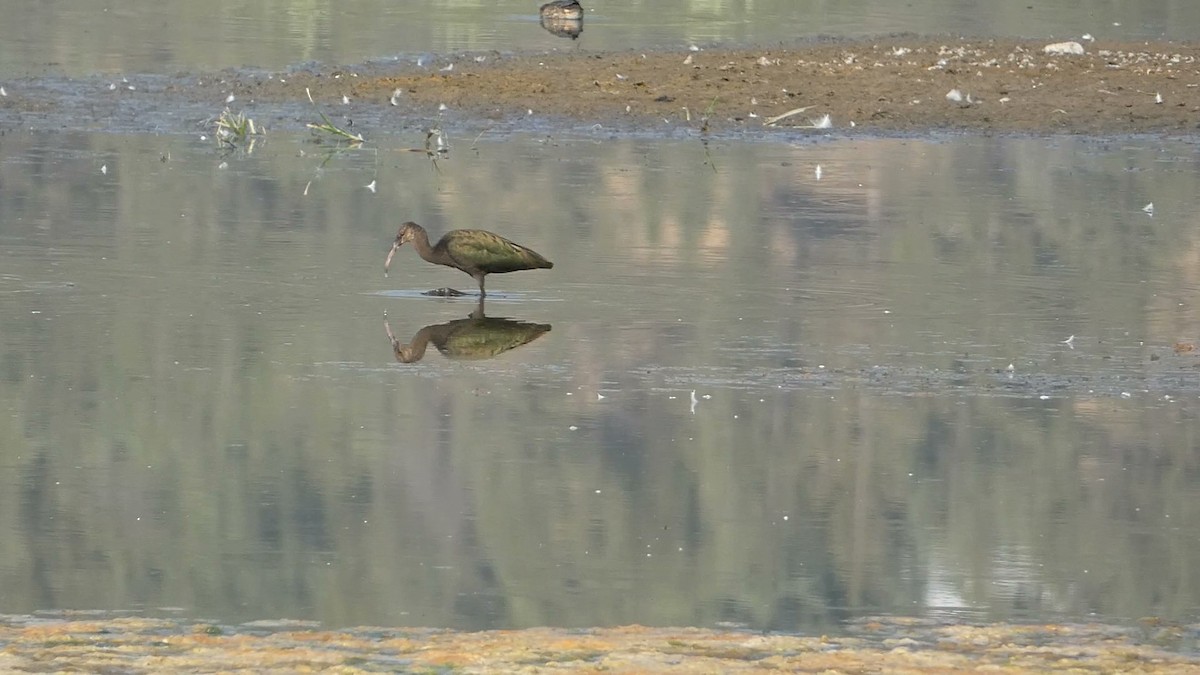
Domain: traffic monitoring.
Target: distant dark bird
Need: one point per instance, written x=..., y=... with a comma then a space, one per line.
x=476, y=252
x=562, y=9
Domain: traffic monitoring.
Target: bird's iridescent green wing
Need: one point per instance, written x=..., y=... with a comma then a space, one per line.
x=490, y=252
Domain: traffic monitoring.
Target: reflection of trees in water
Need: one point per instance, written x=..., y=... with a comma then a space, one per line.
x=865, y=537
x=144, y=402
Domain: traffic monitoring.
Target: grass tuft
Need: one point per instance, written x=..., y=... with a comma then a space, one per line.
x=235, y=128
x=329, y=127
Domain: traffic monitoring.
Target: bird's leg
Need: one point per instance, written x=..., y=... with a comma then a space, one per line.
x=482, y=293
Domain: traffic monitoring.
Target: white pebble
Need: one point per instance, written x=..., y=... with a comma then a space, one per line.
x=1063, y=48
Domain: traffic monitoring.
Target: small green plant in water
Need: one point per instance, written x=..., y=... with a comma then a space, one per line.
x=329, y=127
x=707, y=113
x=234, y=128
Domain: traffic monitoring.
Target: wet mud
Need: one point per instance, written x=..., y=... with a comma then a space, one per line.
x=154, y=645
x=894, y=84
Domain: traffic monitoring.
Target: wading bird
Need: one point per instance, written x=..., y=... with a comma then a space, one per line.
x=476, y=252
x=562, y=9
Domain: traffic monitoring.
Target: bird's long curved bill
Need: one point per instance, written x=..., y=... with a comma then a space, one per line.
x=388, y=263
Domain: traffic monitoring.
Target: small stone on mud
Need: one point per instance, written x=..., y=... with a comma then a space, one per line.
x=1063, y=48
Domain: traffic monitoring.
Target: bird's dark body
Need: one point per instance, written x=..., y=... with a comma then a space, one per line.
x=562, y=9
x=476, y=252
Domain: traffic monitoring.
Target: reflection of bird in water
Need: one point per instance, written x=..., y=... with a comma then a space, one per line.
x=476, y=252
x=562, y=9
x=564, y=28
x=476, y=337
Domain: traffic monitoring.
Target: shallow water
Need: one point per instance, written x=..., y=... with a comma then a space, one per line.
x=766, y=397
x=78, y=37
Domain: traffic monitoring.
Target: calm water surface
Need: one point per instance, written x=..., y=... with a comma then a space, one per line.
x=766, y=397
x=81, y=37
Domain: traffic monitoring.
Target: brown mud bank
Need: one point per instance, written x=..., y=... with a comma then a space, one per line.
x=158, y=646
x=889, y=85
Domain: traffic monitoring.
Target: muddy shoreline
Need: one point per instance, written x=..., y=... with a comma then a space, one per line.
x=141, y=645
x=890, y=85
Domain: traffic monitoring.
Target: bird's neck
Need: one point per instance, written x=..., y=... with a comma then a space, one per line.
x=421, y=243
x=413, y=351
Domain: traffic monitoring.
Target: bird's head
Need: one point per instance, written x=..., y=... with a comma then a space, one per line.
x=408, y=232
